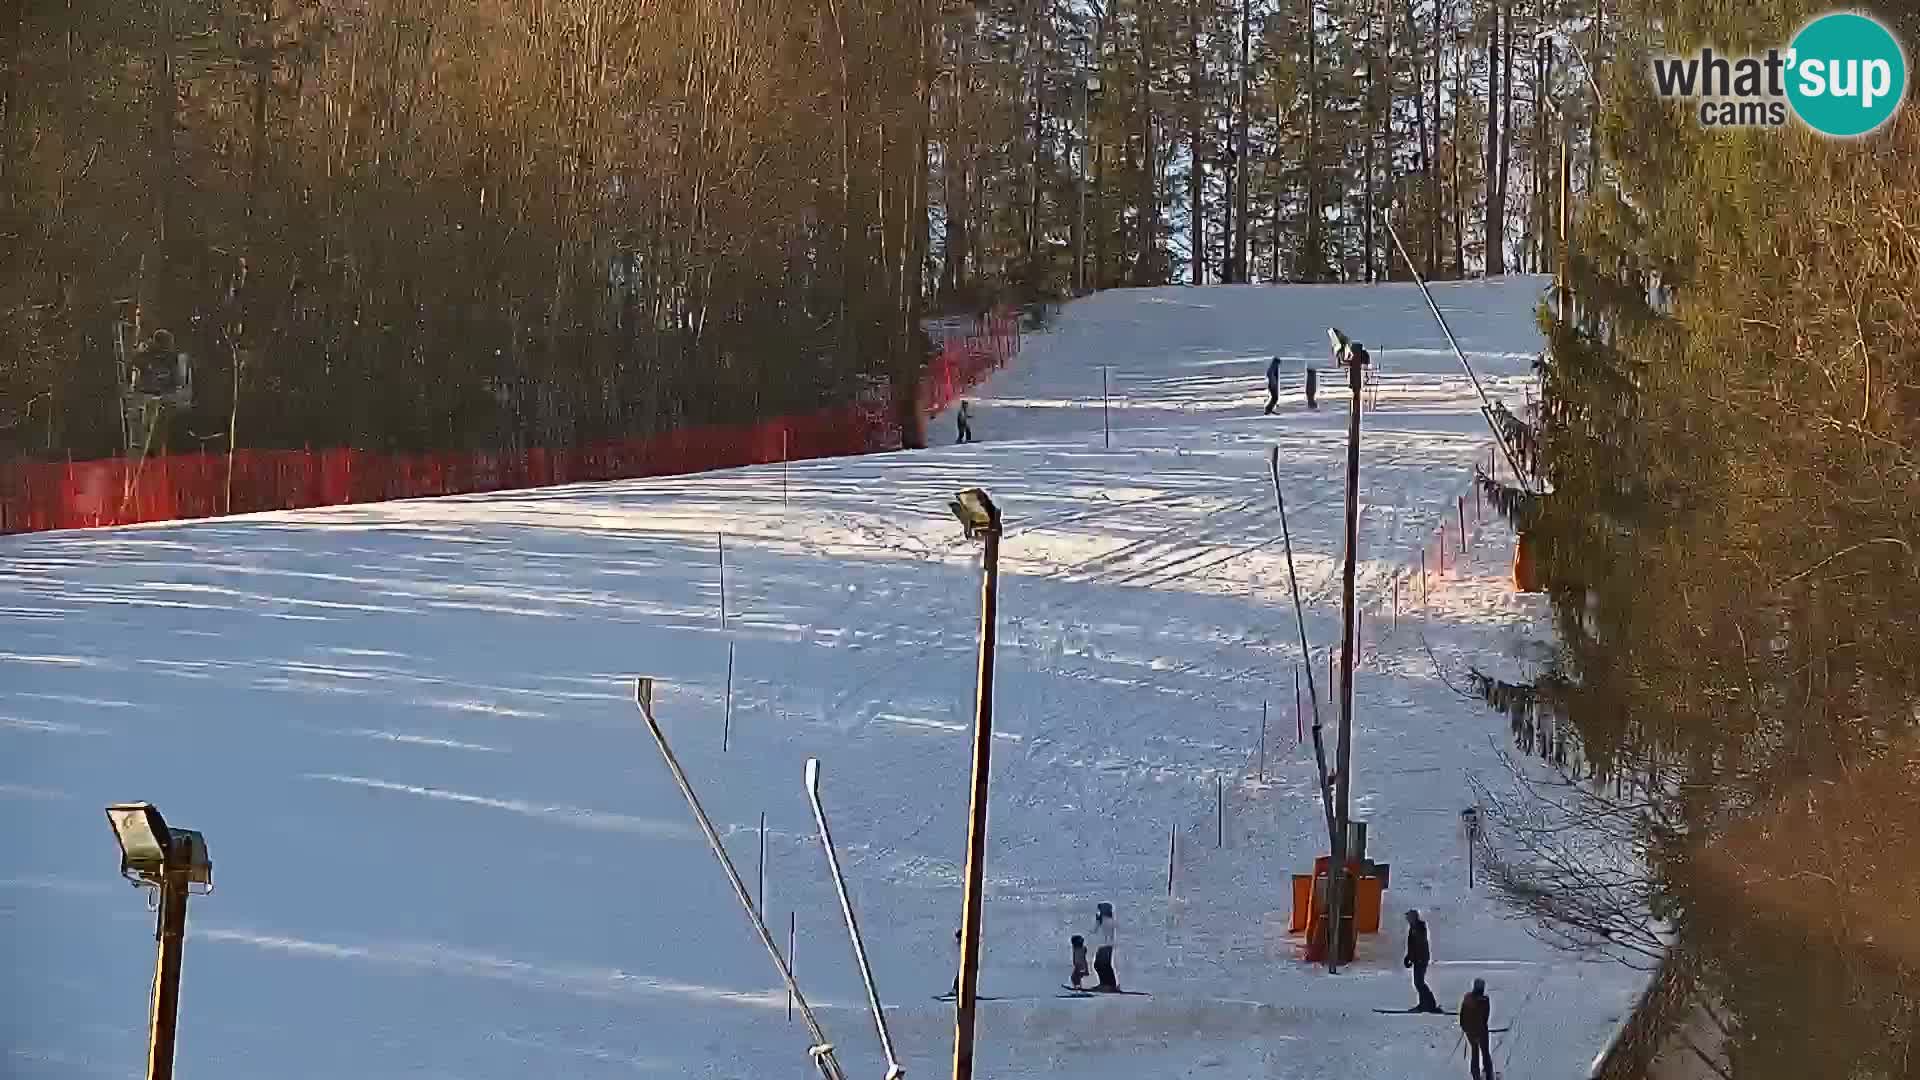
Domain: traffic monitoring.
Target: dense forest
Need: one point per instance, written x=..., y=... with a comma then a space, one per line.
x=1728, y=443
x=421, y=224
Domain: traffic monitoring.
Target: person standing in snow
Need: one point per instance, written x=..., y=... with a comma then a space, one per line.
x=1419, y=955
x=955, y=992
x=1079, y=960
x=1476, y=1013
x=1313, y=386
x=1103, y=950
x=964, y=419
x=1273, y=385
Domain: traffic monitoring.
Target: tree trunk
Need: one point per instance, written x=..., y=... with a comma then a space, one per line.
x=1310, y=259
x=13, y=43
x=1370, y=112
x=1196, y=149
x=1433, y=181
x=1426, y=150
x=1459, y=186
x=1491, y=235
x=1144, y=270
x=1506, y=125
x=1243, y=165
x=1036, y=85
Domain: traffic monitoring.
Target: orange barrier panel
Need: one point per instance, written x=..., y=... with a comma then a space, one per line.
x=39, y=495
x=1302, y=903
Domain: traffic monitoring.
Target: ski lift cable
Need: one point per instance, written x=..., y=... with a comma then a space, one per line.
x=1486, y=403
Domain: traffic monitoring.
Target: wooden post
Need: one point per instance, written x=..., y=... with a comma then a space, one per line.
x=973, y=891
x=166, y=977
x=1337, y=885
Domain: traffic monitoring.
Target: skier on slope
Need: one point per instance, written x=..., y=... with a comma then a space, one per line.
x=1419, y=955
x=1273, y=384
x=964, y=420
x=1313, y=385
x=1476, y=1012
x=1103, y=951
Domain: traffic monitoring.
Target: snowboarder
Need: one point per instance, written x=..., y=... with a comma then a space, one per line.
x=1273, y=385
x=1313, y=386
x=1079, y=960
x=964, y=419
x=1418, y=957
x=1103, y=953
x=1476, y=1011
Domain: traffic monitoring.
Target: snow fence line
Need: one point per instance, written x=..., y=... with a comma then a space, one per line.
x=1413, y=578
x=1437, y=557
x=1631, y=1044
x=37, y=496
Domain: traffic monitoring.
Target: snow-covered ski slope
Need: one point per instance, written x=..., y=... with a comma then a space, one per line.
x=445, y=845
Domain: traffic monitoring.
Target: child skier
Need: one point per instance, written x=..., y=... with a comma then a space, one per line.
x=964, y=419
x=1079, y=960
x=1273, y=385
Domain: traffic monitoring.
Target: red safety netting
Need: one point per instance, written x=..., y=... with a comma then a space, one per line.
x=37, y=496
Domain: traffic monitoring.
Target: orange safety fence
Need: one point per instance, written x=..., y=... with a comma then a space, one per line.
x=41, y=495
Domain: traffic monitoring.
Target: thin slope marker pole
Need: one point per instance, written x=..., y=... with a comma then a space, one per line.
x=760, y=884
x=1299, y=724
x=822, y=1050
x=726, y=716
x=793, y=922
x=1486, y=403
x=720, y=545
x=1219, y=811
x=1173, y=836
x=1300, y=620
x=894, y=1070
x=1263, y=739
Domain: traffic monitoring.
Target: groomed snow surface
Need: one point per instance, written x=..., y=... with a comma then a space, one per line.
x=445, y=845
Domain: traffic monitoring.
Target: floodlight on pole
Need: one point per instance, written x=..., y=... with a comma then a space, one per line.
x=172, y=861
x=981, y=519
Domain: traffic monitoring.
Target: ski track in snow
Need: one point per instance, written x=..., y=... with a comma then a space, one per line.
x=445, y=846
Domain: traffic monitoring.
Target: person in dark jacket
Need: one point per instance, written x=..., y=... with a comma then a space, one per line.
x=955, y=992
x=964, y=420
x=1079, y=960
x=1313, y=386
x=1273, y=385
x=1476, y=1012
x=1419, y=955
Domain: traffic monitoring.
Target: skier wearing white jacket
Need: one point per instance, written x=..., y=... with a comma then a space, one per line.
x=1103, y=951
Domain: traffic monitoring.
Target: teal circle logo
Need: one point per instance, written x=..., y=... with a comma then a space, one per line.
x=1847, y=75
